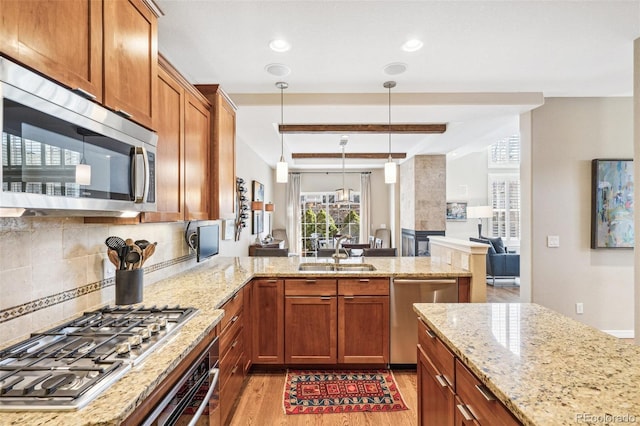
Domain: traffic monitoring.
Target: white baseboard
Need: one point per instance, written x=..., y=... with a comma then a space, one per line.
x=622, y=334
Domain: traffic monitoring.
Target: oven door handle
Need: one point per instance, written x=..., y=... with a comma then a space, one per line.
x=213, y=380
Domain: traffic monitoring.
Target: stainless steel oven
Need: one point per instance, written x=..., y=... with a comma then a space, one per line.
x=62, y=153
x=195, y=398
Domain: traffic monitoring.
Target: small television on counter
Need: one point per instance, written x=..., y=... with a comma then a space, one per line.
x=208, y=241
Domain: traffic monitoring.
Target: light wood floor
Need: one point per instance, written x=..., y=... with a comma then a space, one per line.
x=506, y=294
x=261, y=404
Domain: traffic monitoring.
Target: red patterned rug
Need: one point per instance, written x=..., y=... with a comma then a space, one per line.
x=323, y=392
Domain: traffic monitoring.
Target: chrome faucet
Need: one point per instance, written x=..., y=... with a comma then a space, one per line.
x=337, y=255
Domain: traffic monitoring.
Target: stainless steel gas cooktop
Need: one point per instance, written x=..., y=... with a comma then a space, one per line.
x=70, y=365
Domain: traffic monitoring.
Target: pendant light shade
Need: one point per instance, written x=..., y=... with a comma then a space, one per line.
x=282, y=168
x=390, y=169
x=343, y=194
x=83, y=174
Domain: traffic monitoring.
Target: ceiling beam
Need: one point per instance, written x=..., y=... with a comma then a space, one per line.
x=361, y=155
x=362, y=128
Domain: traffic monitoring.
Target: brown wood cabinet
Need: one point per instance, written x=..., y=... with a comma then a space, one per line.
x=196, y=173
x=223, y=151
x=106, y=49
x=435, y=396
x=61, y=39
x=267, y=320
x=363, y=321
x=310, y=316
x=232, y=346
x=247, y=314
x=448, y=393
x=131, y=58
x=170, y=160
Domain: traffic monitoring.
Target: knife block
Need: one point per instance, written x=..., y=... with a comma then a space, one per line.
x=129, y=285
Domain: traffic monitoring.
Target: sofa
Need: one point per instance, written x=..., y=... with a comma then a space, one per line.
x=500, y=263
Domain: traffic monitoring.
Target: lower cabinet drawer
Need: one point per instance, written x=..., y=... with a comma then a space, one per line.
x=230, y=390
x=232, y=357
x=310, y=287
x=442, y=358
x=230, y=334
x=479, y=401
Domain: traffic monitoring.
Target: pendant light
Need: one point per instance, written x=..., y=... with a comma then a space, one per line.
x=83, y=170
x=390, y=166
x=343, y=194
x=282, y=168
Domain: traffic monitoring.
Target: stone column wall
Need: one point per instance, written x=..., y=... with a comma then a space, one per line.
x=423, y=193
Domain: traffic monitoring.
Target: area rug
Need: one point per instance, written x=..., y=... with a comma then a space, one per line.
x=323, y=392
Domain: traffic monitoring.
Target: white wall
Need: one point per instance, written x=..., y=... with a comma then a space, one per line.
x=467, y=181
x=250, y=166
x=567, y=133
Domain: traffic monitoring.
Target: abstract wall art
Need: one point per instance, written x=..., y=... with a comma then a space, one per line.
x=612, y=204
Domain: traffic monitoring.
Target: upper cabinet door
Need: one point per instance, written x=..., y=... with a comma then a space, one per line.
x=130, y=58
x=196, y=153
x=61, y=39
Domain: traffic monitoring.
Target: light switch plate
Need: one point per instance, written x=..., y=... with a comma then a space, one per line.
x=553, y=241
x=108, y=269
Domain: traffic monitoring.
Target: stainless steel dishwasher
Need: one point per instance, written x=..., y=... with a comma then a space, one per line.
x=404, y=325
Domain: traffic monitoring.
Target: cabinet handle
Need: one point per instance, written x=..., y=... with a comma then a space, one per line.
x=235, y=318
x=442, y=381
x=235, y=342
x=364, y=280
x=465, y=413
x=431, y=334
x=348, y=297
x=233, y=371
x=124, y=113
x=325, y=297
x=487, y=395
x=309, y=281
x=235, y=296
x=272, y=281
x=84, y=93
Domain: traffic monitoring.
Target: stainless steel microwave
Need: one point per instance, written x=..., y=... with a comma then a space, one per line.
x=64, y=155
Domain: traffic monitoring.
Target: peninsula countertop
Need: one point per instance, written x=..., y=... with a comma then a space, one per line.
x=546, y=368
x=206, y=287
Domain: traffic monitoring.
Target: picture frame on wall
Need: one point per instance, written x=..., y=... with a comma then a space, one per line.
x=258, y=222
x=456, y=211
x=257, y=191
x=228, y=229
x=612, y=203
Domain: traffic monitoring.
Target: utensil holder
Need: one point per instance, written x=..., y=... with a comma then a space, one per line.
x=129, y=285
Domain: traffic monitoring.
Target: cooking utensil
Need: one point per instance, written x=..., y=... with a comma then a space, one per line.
x=115, y=243
x=142, y=244
x=133, y=258
x=148, y=252
x=114, y=258
x=123, y=252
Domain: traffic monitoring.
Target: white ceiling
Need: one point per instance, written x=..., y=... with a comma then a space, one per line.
x=482, y=64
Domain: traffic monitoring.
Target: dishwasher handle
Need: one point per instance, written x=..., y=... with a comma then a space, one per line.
x=407, y=281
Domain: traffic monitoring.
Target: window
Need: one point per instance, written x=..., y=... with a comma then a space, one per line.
x=504, y=189
x=323, y=217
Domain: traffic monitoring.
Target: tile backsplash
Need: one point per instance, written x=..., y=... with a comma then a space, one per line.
x=52, y=268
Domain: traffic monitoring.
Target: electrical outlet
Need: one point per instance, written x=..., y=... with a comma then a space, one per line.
x=579, y=308
x=108, y=269
x=553, y=241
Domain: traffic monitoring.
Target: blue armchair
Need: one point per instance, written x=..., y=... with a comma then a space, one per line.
x=499, y=262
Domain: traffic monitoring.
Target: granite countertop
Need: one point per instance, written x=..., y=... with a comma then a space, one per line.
x=546, y=368
x=206, y=287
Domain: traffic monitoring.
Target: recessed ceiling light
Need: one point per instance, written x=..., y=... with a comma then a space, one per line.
x=279, y=70
x=279, y=45
x=412, y=45
x=395, y=68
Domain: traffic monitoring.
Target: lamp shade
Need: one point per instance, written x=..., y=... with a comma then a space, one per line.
x=268, y=207
x=282, y=171
x=390, y=172
x=480, y=212
x=83, y=174
x=257, y=205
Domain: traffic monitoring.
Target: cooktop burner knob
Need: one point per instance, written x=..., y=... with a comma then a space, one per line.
x=154, y=328
x=162, y=322
x=135, y=340
x=145, y=333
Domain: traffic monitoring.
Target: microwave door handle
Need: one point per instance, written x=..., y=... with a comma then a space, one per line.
x=139, y=198
x=214, y=372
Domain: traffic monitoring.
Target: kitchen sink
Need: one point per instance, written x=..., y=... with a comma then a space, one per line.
x=333, y=267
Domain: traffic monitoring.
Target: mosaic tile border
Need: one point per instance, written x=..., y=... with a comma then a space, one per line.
x=45, y=302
